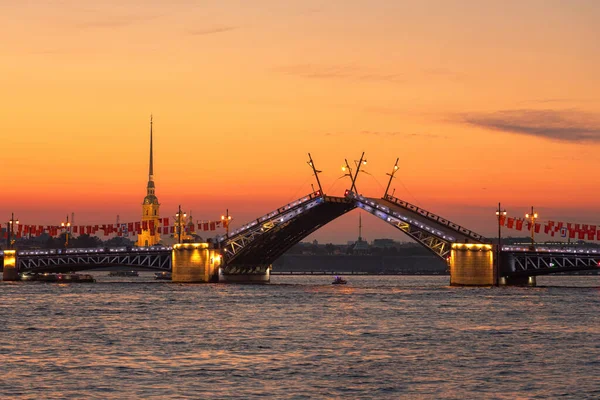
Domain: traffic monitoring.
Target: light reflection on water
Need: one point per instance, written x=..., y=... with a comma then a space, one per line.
x=300, y=337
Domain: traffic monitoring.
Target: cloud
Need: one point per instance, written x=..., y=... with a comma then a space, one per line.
x=562, y=125
x=210, y=31
x=345, y=72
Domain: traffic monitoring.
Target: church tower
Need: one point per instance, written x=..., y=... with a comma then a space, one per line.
x=150, y=207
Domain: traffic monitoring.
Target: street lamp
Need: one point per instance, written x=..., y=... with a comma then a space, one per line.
x=391, y=177
x=226, y=219
x=67, y=226
x=10, y=227
x=501, y=214
x=180, y=215
x=532, y=217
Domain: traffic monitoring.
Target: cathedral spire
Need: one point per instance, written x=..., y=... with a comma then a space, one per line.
x=151, y=171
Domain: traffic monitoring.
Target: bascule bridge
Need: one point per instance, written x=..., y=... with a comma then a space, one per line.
x=247, y=253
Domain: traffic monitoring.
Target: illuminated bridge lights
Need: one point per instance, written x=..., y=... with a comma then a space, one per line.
x=472, y=246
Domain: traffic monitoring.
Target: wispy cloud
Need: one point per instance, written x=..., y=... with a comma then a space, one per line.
x=210, y=31
x=345, y=72
x=564, y=125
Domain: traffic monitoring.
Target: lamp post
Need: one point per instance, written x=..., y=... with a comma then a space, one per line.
x=532, y=217
x=67, y=226
x=501, y=214
x=391, y=177
x=316, y=172
x=180, y=215
x=10, y=227
x=227, y=218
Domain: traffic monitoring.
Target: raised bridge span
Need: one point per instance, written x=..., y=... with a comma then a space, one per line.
x=253, y=247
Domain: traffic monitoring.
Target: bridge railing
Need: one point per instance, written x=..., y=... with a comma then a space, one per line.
x=271, y=215
x=434, y=217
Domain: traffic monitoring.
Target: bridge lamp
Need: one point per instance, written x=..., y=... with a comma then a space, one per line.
x=501, y=215
x=66, y=225
x=532, y=217
x=10, y=235
x=226, y=220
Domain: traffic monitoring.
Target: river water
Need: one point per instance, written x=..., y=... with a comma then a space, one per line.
x=300, y=337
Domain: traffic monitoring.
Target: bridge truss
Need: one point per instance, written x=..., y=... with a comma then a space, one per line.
x=52, y=261
x=428, y=229
x=259, y=243
x=530, y=263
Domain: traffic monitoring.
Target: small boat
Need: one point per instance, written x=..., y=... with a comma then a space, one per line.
x=165, y=276
x=338, y=280
x=123, y=273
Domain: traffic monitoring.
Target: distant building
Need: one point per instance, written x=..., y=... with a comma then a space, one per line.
x=384, y=243
x=150, y=208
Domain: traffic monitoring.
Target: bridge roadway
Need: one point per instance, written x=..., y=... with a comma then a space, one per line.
x=254, y=246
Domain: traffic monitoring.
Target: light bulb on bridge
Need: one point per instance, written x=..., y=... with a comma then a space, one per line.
x=343, y=168
x=365, y=162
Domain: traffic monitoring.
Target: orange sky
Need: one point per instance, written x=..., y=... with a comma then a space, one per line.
x=482, y=101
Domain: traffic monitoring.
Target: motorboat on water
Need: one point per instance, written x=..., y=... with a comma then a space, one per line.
x=123, y=273
x=164, y=276
x=338, y=280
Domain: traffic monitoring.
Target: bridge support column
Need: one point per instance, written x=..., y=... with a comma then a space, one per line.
x=195, y=263
x=472, y=265
x=518, y=281
x=10, y=272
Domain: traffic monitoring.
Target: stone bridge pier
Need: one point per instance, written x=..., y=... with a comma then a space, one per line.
x=195, y=263
x=10, y=272
x=474, y=264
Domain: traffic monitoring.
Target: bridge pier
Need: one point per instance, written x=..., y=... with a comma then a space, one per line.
x=10, y=272
x=518, y=281
x=195, y=263
x=472, y=264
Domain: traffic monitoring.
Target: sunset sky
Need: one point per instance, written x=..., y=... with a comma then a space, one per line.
x=482, y=101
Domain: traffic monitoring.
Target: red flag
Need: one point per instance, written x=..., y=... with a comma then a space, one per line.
x=598, y=234
x=151, y=224
x=205, y=226
x=509, y=223
x=546, y=229
x=572, y=233
x=159, y=229
x=559, y=226
x=577, y=227
x=519, y=224
x=145, y=225
x=502, y=220
x=584, y=228
x=26, y=229
x=172, y=229
x=130, y=226
x=536, y=228
x=165, y=221
x=591, y=235
x=137, y=227
x=593, y=229
x=581, y=235
x=213, y=226
x=552, y=233
x=75, y=229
